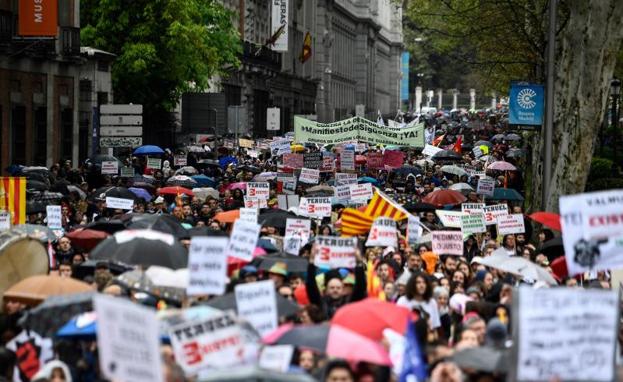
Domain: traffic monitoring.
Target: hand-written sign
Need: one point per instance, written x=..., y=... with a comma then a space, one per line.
x=54, y=217
x=486, y=186
x=375, y=161
x=347, y=160
x=243, y=240
x=414, y=229
x=450, y=219
x=293, y=160
x=257, y=303
x=5, y=221
x=447, y=242
x=328, y=162
x=110, y=167
x=336, y=252
x=361, y=192
x=342, y=178
x=207, y=266
x=473, y=208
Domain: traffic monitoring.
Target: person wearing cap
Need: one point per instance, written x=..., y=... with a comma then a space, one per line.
x=278, y=273
x=248, y=274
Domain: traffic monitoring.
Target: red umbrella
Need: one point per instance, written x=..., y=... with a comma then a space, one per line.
x=360, y=159
x=85, y=238
x=441, y=198
x=380, y=315
x=548, y=219
x=175, y=190
x=238, y=185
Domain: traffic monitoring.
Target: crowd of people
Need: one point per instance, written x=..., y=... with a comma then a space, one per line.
x=456, y=306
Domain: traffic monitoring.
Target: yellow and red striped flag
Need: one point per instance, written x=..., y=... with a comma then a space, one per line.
x=355, y=222
x=13, y=198
x=383, y=205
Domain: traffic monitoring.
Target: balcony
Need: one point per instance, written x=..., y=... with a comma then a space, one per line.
x=70, y=41
x=260, y=60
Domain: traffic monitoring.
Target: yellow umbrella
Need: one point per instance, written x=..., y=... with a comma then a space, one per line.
x=297, y=148
x=484, y=149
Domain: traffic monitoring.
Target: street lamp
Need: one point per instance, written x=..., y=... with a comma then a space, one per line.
x=615, y=91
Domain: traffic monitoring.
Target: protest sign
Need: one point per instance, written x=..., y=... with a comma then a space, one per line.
x=243, y=239
x=54, y=217
x=383, y=233
x=450, y=219
x=277, y=357
x=5, y=221
x=246, y=143
x=285, y=202
x=473, y=208
x=565, y=334
x=375, y=161
x=393, y=158
x=474, y=173
x=253, y=153
x=154, y=163
x=210, y=342
x=342, y=193
x=257, y=303
x=255, y=203
x=343, y=178
x=312, y=160
x=485, y=186
x=477, y=152
x=249, y=214
x=298, y=227
x=336, y=252
x=357, y=129
x=180, y=160
x=361, y=192
x=309, y=176
x=347, y=160
x=430, y=150
x=328, y=162
x=128, y=340
x=110, y=167
x=447, y=242
x=280, y=147
x=292, y=245
x=119, y=203
x=492, y=213
x=315, y=207
x=32, y=351
x=414, y=229
x=473, y=223
x=511, y=224
x=293, y=160
x=127, y=172
x=207, y=265
x=258, y=190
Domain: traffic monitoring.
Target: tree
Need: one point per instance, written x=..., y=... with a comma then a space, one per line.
x=509, y=41
x=164, y=48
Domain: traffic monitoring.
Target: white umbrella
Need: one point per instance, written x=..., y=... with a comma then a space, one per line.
x=166, y=277
x=186, y=170
x=518, y=265
x=454, y=170
x=462, y=187
x=424, y=162
x=501, y=166
x=204, y=192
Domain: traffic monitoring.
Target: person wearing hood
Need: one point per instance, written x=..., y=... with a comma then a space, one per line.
x=53, y=371
x=166, y=169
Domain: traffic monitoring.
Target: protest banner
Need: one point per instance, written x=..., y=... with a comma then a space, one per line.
x=279, y=147
x=258, y=190
x=312, y=160
x=486, y=186
x=155, y=163
x=243, y=240
x=414, y=229
x=383, y=233
x=564, y=334
x=207, y=265
x=257, y=303
x=5, y=221
x=126, y=172
x=492, y=213
x=361, y=192
x=180, y=160
x=511, y=224
x=393, y=158
x=309, y=176
x=293, y=160
x=110, y=167
x=128, y=340
x=255, y=203
x=328, y=162
x=343, y=178
x=209, y=342
x=375, y=161
x=473, y=208
x=119, y=203
x=54, y=217
x=342, y=193
x=315, y=207
x=246, y=143
x=430, y=150
x=336, y=252
x=249, y=214
x=450, y=219
x=447, y=242
x=473, y=223
x=347, y=160
x=277, y=357
x=357, y=129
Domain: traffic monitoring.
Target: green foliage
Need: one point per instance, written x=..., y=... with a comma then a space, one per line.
x=600, y=168
x=164, y=47
x=604, y=184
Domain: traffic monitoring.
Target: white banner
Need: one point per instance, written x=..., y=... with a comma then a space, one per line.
x=473, y=223
x=213, y=342
x=128, y=340
x=258, y=190
x=347, y=160
x=473, y=208
x=485, y=186
x=450, y=219
x=447, y=242
x=249, y=214
x=54, y=217
x=493, y=212
x=110, y=167
x=315, y=207
x=257, y=303
x=279, y=25
x=344, y=178
x=336, y=252
x=361, y=192
x=383, y=233
x=243, y=240
x=309, y=176
x=119, y=203
x=207, y=265
x=511, y=224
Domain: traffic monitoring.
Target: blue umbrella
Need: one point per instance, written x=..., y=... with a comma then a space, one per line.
x=204, y=180
x=226, y=160
x=141, y=193
x=81, y=327
x=506, y=194
x=148, y=150
x=367, y=179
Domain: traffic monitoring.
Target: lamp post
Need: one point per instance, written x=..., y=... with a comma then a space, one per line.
x=615, y=91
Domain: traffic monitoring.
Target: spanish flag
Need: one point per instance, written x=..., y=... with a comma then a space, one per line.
x=307, y=48
x=355, y=222
x=13, y=198
x=383, y=205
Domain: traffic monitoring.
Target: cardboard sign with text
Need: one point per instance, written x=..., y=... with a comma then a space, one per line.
x=249, y=214
x=243, y=240
x=293, y=160
x=473, y=223
x=347, y=160
x=258, y=190
x=447, y=242
x=54, y=217
x=393, y=158
x=493, y=212
x=383, y=233
x=450, y=219
x=486, y=186
x=375, y=161
x=414, y=229
x=511, y=224
x=110, y=167
x=342, y=178
x=207, y=266
x=180, y=160
x=336, y=252
x=255, y=203
x=361, y=192
x=257, y=303
x=309, y=176
x=315, y=207
x=119, y=203
x=312, y=160
x=473, y=208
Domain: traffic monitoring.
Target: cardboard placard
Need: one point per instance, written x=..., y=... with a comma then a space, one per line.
x=473, y=223
x=375, y=161
x=54, y=217
x=383, y=233
x=309, y=176
x=316, y=207
x=493, y=212
x=119, y=203
x=293, y=160
x=277, y=357
x=473, y=208
x=414, y=229
x=447, y=242
x=258, y=190
x=312, y=160
x=243, y=240
x=343, y=178
x=5, y=221
x=110, y=167
x=511, y=224
x=342, y=193
x=257, y=303
x=249, y=214
x=361, y=192
x=180, y=160
x=246, y=143
x=486, y=186
x=430, y=150
x=347, y=160
x=328, y=162
x=255, y=203
x=207, y=266
x=127, y=172
x=450, y=219
x=336, y=252
x=280, y=147
x=393, y=158
x=155, y=163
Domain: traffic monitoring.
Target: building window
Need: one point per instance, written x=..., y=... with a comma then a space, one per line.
x=18, y=135
x=85, y=90
x=40, y=135
x=67, y=127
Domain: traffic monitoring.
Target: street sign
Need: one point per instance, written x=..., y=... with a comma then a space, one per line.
x=121, y=141
x=121, y=109
x=526, y=104
x=121, y=131
x=121, y=120
x=273, y=119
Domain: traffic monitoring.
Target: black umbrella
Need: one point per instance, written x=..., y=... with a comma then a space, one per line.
x=307, y=336
x=406, y=170
x=447, y=155
x=227, y=301
x=552, y=248
x=36, y=185
x=98, y=159
x=163, y=223
x=420, y=207
x=114, y=192
x=141, y=179
x=47, y=197
x=142, y=247
x=294, y=264
x=253, y=169
x=110, y=226
x=205, y=231
x=276, y=218
x=34, y=207
x=60, y=186
x=484, y=143
x=87, y=268
x=484, y=358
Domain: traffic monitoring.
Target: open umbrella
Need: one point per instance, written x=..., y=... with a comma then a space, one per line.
x=462, y=187
x=139, y=281
x=454, y=170
x=514, y=153
x=115, y=192
x=82, y=327
x=520, y=266
x=512, y=137
x=482, y=359
x=47, y=197
x=265, y=176
x=497, y=137
x=406, y=170
x=204, y=192
x=548, y=219
x=483, y=143
x=182, y=181
x=34, y=289
x=227, y=216
x=228, y=302
x=141, y=193
x=55, y=311
x=158, y=222
x=238, y=185
x=175, y=190
x=320, y=189
x=552, y=248
x=99, y=158
x=266, y=245
x=294, y=264
x=34, y=207
x=148, y=150
x=109, y=226
x=142, y=247
x=442, y=198
x=78, y=190
x=419, y=207
x=380, y=315
x=368, y=179
x=38, y=232
x=36, y=185
x=501, y=166
x=204, y=181
x=509, y=194
x=251, y=373
x=85, y=238
x=448, y=155
x=186, y=170
x=276, y=218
